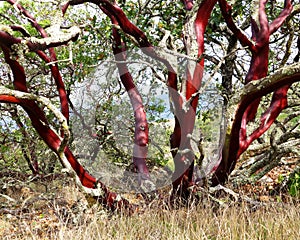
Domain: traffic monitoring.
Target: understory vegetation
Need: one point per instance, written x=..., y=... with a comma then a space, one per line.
x=53, y=208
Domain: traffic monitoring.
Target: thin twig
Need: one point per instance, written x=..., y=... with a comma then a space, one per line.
x=201, y=90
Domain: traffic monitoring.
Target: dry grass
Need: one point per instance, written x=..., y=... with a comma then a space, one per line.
x=56, y=218
x=198, y=223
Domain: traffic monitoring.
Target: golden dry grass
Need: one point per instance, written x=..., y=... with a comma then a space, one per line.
x=57, y=218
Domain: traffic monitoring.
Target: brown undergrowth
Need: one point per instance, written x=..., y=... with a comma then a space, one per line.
x=53, y=208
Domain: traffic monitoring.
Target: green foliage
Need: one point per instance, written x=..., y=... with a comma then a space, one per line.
x=154, y=109
x=280, y=178
x=294, y=185
x=113, y=110
x=208, y=122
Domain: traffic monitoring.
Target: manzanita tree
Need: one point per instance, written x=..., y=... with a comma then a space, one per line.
x=18, y=44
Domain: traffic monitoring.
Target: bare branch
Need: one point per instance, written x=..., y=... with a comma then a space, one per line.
x=226, y=12
x=282, y=17
x=46, y=102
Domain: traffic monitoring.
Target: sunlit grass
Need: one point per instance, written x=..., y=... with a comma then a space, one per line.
x=61, y=212
x=277, y=221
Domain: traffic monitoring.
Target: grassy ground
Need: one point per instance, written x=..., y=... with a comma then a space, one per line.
x=57, y=210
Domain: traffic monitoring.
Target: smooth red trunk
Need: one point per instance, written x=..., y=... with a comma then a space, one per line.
x=141, y=131
x=185, y=118
x=238, y=140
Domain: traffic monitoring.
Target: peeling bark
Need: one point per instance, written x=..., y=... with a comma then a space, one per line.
x=237, y=140
x=253, y=90
x=185, y=115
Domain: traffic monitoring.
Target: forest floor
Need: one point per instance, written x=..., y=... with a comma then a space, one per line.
x=54, y=208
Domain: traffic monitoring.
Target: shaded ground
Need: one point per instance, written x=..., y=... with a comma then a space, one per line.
x=39, y=207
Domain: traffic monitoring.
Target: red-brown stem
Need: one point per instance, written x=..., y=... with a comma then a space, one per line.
x=109, y=199
x=141, y=132
x=54, y=67
x=40, y=122
x=185, y=118
x=278, y=103
x=238, y=140
x=226, y=12
x=112, y=10
x=277, y=23
x=188, y=4
x=58, y=81
x=231, y=147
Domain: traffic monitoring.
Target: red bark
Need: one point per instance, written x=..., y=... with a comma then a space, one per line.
x=238, y=141
x=232, y=145
x=185, y=118
x=188, y=4
x=37, y=116
x=141, y=133
x=54, y=67
x=40, y=123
